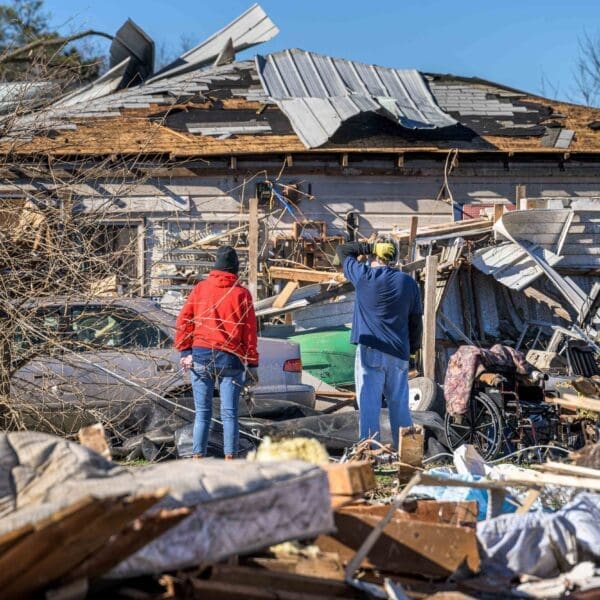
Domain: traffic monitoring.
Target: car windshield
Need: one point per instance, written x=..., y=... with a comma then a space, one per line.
x=115, y=328
x=81, y=328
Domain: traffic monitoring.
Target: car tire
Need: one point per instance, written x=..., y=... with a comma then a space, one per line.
x=423, y=394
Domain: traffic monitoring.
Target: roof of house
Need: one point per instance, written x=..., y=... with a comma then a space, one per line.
x=206, y=103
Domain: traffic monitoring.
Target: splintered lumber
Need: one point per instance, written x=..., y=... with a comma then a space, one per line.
x=286, y=294
x=139, y=533
x=308, y=275
x=576, y=402
x=406, y=546
x=65, y=539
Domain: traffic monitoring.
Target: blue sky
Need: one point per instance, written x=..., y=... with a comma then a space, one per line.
x=515, y=42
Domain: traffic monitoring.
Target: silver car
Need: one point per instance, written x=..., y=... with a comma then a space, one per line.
x=113, y=361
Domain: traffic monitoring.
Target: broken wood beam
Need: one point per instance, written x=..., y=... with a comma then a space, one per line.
x=307, y=275
x=283, y=298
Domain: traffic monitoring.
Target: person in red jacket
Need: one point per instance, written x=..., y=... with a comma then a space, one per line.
x=216, y=335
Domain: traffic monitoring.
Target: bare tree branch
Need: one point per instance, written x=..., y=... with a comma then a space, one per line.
x=63, y=41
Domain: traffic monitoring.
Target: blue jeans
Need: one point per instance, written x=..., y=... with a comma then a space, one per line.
x=203, y=385
x=379, y=375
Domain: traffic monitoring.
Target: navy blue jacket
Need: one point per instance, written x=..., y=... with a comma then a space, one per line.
x=387, y=310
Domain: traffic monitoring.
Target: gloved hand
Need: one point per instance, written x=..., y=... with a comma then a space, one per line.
x=252, y=378
x=384, y=250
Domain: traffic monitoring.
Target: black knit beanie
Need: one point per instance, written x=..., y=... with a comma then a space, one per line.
x=227, y=260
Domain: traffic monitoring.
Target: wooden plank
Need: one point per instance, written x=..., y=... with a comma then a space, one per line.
x=575, y=402
x=253, y=246
x=10, y=538
x=446, y=228
x=567, y=469
x=309, y=275
x=532, y=479
x=432, y=511
x=429, y=320
x=412, y=235
x=285, y=295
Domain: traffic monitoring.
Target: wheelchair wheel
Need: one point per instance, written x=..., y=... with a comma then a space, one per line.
x=480, y=426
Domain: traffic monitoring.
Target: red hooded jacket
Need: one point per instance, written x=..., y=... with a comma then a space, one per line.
x=219, y=314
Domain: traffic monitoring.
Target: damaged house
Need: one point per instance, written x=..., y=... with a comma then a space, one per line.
x=286, y=154
x=331, y=147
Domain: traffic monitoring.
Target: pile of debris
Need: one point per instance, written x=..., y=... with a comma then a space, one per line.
x=80, y=526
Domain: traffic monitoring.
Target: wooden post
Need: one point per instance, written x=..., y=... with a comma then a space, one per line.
x=253, y=247
x=521, y=192
x=414, y=223
x=431, y=265
x=410, y=451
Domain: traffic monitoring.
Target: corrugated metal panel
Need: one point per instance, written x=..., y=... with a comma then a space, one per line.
x=573, y=233
x=318, y=93
x=249, y=29
x=103, y=86
x=510, y=265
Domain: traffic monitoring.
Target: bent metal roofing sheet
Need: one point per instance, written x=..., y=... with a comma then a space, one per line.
x=319, y=93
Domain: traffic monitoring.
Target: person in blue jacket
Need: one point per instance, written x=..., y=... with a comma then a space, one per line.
x=386, y=327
